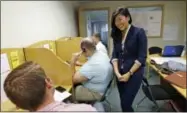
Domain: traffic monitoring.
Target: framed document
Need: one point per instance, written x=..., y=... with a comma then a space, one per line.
x=150, y=18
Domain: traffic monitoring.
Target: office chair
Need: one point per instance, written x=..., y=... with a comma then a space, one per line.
x=153, y=93
x=106, y=93
x=155, y=50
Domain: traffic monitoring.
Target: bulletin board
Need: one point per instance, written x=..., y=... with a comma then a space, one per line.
x=150, y=18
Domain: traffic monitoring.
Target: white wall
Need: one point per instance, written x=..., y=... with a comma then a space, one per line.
x=174, y=14
x=26, y=22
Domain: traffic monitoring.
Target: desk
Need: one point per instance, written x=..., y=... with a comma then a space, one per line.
x=179, y=89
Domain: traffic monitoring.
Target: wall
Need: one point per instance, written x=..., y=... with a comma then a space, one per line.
x=185, y=24
x=174, y=14
x=26, y=22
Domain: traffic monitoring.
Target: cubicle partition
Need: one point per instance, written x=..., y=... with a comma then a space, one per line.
x=64, y=38
x=55, y=68
x=48, y=44
x=65, y=48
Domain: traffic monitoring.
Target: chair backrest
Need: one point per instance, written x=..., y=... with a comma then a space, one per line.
x=146, y=88
x=107, y=89
x=145, y=82
x=155, y=50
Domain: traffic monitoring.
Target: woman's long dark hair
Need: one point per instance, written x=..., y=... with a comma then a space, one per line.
x=116, y=33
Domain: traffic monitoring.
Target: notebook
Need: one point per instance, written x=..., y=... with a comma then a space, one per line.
x=61, y=94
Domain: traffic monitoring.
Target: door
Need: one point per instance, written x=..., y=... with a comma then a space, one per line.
x=94, y=21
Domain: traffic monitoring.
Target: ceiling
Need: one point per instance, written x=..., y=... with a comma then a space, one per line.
x=86, y=1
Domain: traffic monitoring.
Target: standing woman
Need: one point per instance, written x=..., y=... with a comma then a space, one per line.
x=128, y=57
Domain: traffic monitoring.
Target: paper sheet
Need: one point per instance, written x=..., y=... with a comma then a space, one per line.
x=140, y=19
x=160, y=60
x=4, y=63
x=46, y=46
x=154, y=22
x=148, y=18
x=3, y=95
x=14, y=59
x=61, y=96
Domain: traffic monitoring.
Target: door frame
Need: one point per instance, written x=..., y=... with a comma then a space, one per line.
x=81, y=9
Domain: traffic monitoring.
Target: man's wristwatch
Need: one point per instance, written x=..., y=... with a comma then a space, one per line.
x=131, y=73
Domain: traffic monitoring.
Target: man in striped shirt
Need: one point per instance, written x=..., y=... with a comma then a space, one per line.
x=28, y=87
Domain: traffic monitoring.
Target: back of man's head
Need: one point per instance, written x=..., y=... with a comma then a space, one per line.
x=25, y=86
x=88, y=43
x=97, y=35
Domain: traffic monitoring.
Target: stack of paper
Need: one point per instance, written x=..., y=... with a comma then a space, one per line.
x=160, y=60
x=4, y=63
x=61, y=96
x=5, y=70
x=3, y=95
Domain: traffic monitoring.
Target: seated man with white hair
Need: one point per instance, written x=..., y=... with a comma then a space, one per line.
x=94, y=75
x=99, y=45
